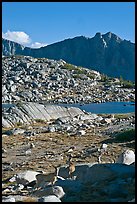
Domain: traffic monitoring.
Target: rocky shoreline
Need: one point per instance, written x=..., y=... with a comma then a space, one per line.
x=69, y=119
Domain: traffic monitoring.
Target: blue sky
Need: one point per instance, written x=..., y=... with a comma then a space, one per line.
x=37, y=24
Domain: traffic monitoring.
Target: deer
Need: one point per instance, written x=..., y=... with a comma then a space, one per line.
x=46, y=179
x=71, y=169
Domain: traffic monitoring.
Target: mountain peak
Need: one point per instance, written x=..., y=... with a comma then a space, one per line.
x=98, y=35
x=111, y=36
x=107, y=53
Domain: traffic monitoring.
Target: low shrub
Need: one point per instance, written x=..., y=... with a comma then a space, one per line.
x=39, y=120
x=19, y=124
x=121, y=116
x=126, y=83
x=125, y=136
x=104, y=78
x=77, y=70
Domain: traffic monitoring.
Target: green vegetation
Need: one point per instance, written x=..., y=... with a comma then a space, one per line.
x=19, y=104
x=126, y=83
x=77, y=70
x=121, y=116
x=5, y=129
x=39, y=120
x=17, y=56
x=91, y=76
x=123, y=83
x=104, y=78
x=19, y=124
x=125, y=136
x=76, y=76
x=70, y=67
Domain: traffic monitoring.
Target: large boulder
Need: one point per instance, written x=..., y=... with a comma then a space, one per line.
x=27, y=112
x=8, y=199
x=94, y=172
x=17, y=131
x=50, y=198
x=70, y=185
x=55, y=190
x=127, y=157
x=81, y=132
x=26, y=177
x=111, y=182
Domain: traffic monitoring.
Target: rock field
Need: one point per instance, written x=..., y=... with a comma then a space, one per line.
x=36, y=148
x=38, y=137
x=27, y=79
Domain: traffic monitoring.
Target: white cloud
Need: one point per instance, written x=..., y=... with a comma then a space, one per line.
x=17, y=36
x=37, y=45
x=22, y=38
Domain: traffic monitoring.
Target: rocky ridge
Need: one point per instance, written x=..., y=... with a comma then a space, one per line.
x=106, y=53
x=27, y=79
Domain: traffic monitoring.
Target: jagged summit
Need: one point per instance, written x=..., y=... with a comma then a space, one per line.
x=98, y=35
x=106, y=53
x=108, y=35
x=111, y=36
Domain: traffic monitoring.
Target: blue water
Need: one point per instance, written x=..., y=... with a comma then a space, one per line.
x=108, y=107
x=7, y=105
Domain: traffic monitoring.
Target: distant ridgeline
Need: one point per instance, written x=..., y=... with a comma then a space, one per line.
x=106, y=53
